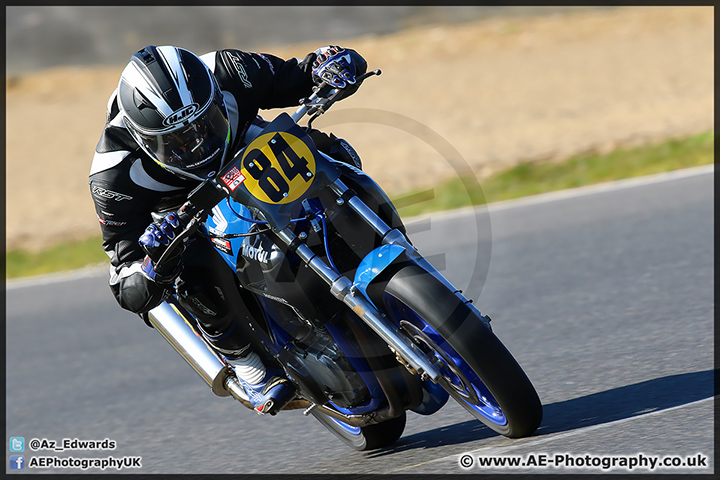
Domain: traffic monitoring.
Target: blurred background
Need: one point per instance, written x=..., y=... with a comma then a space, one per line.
x=43, y=37
x=498, y=85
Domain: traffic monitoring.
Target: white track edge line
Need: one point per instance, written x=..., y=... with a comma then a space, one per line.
x=503, y=448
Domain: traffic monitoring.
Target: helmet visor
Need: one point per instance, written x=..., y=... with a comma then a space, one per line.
x=193, y=146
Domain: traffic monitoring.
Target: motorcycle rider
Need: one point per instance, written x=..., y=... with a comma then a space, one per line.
x=174, y=120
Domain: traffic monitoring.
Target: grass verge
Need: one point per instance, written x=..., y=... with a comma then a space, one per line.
x=522, y=180
x=58, y=258
x=540, y=177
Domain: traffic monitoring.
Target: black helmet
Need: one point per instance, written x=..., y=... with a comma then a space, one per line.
x=173, y=107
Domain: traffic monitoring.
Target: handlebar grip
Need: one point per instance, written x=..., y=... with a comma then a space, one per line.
x=186, y=212
x=205, y=196
x=190, y=227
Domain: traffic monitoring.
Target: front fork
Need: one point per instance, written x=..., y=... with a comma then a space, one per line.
x=395, y=237
x=351, y=295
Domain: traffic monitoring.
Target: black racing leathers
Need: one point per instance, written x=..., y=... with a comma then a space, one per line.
x=127, y=186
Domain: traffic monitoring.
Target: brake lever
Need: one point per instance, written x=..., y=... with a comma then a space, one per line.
x=189, y=229
x=323, y=98
x=371, y=73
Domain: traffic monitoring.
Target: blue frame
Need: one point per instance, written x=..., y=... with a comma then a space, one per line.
x=231, y=217
x=228, y=218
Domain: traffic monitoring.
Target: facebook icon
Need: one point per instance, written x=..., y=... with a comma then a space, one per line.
x=17, y=462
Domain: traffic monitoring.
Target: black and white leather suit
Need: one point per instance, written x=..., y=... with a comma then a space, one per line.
x=127, y=186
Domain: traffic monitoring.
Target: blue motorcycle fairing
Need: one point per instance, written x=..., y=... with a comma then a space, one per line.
x=223, y=219
x=226, y=219
x=373, y=264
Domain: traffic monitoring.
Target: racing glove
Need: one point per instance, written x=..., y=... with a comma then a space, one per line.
x=338, y=67
x=154, y=241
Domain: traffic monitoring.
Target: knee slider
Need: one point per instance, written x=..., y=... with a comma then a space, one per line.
x=342, y=150
x=200, y=304
x=336, y=148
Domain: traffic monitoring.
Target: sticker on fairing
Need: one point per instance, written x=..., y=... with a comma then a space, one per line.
x=223, y=245
x=233, y=178
x=278, y=168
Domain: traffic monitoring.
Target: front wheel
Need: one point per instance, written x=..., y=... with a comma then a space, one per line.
x=370, y=437
x=476, y=368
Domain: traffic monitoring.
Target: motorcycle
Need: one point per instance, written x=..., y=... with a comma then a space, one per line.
x=364, y=326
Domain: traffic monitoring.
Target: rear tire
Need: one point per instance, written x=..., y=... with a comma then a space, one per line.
x=478, y=371
x=370, y=437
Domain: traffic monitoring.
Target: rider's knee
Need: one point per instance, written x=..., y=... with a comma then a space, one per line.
x=336, y=148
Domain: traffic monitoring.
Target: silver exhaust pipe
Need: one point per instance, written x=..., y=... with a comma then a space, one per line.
x=187, y=341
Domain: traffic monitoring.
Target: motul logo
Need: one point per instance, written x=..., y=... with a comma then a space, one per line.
x=255, y=253
x=181, y=115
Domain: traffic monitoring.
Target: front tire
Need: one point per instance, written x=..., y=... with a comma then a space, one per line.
x=477, y=370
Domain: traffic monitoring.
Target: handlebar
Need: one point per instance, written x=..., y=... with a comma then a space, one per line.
x=191, y=215
x=323, y=97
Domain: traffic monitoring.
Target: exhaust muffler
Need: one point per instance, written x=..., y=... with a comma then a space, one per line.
x=189, y=343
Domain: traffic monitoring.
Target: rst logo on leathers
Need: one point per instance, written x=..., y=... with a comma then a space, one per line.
x=109, y=194
x=181, y=115
x=237, y=63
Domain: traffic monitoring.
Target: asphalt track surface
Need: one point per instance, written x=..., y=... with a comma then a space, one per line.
x=604, y=295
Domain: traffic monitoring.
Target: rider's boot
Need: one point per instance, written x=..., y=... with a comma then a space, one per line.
x=268, y=389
